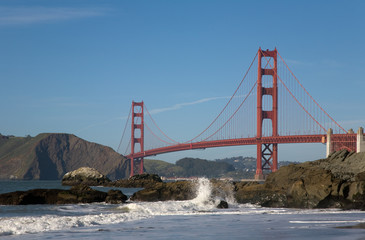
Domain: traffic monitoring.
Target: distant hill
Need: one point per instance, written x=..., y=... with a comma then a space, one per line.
x=188, y=167
x=163, y=168
x=240, y=162
x=200, y=167
x=49, y=156
x=235, y=167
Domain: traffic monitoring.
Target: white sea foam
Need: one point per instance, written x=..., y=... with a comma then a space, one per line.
x=143, y=210
x=34, y=224
x=203, y=199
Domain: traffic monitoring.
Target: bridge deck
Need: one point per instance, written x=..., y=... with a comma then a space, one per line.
x=246, y=141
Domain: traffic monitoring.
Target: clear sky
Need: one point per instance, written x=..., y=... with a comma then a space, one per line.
x=74, y=66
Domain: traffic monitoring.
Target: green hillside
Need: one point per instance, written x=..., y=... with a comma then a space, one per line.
x=163, y=168
x=188, y=167
x=234, y=167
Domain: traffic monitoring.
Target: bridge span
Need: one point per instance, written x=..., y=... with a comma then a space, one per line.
x=269, y=107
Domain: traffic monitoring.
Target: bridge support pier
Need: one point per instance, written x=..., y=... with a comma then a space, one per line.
x=360, y=142
x=259, y=174
x=267, y=159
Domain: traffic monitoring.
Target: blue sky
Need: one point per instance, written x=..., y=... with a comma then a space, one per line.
x=75, y=66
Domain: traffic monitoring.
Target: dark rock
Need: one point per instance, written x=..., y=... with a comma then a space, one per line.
x=146, y=177
x=138, y=181
x=115, y=197
x=77, y=194
x=360, y=176
x=256, y=193
x=222, y=204
x=181, y=190
x=86, y=176
x=85, y=194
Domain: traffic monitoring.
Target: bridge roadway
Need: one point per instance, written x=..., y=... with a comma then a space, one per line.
x=321, y=138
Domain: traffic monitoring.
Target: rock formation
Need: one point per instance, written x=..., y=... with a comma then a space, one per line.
x=86, y=176
x=222, y=204
x=181, y=190
x=144, y=180
x=337, y=181
x=77, y=194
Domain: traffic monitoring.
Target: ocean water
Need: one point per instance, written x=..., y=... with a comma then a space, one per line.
x=194, y=219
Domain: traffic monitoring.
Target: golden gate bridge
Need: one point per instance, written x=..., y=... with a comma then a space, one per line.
x=269, y=107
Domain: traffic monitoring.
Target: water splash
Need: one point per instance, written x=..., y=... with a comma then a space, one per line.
x=209, y=194
x=203, y=192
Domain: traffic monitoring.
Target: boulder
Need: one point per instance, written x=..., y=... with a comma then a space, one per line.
x=86, y=176
x=305, y=185
x=77, y=194
x=145, y=180
x=222, y=204
x=161, y=191
x=115, y=197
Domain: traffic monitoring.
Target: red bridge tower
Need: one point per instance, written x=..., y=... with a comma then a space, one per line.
x=137, y=134
x=267, y=153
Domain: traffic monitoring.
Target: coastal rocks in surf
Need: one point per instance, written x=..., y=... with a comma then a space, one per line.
x=188, y=190
x=86, y=176
x=222, y=204
x=337, y=181
x=161, y=191
x=144, y=180
x=115, y=197
x=77, y=194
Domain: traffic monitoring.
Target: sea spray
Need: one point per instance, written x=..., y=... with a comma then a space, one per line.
x=204, y=200
x=224, y=190
x=210, y=193
x=203, y=191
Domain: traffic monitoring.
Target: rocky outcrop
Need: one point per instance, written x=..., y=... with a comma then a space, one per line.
x=86, y=176
x=187, y=190
x=161, y=191
x=77, y=194
x=144, y=180
x=115, y=197
x=255, y=193
x=337, y=181
x=49, y=156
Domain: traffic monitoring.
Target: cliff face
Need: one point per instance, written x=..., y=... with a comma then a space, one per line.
x=50, y=156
